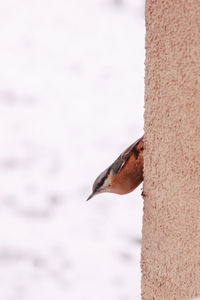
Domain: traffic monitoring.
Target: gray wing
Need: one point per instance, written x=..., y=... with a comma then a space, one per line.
x=120, y=162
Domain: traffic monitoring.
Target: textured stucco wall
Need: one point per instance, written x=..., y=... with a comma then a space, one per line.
x=170, y=258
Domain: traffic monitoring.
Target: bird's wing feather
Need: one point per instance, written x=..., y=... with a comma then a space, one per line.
x=120, y=162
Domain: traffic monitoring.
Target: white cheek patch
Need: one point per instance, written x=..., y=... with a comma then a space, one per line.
x=107, y=183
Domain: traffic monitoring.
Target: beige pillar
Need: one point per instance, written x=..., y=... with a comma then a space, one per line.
x=171, y=224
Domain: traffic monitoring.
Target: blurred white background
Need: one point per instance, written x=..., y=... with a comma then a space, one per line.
x=71, y=100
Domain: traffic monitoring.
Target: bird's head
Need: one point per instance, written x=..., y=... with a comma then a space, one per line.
x=102, y=184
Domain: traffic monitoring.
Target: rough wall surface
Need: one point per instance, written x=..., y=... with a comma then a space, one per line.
x=171, y=224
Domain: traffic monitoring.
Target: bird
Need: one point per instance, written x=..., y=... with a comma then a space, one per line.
x=125, y=173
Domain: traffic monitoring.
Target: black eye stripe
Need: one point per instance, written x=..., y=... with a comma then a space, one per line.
x=101, y=182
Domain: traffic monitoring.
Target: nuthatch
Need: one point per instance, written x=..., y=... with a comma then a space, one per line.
x=124, y=175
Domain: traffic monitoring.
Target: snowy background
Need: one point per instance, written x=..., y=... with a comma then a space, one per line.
x=71, y=100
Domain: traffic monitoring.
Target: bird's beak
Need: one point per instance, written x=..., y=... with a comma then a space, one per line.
x=90, y=196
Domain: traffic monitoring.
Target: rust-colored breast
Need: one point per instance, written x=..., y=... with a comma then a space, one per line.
x=131, y=174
